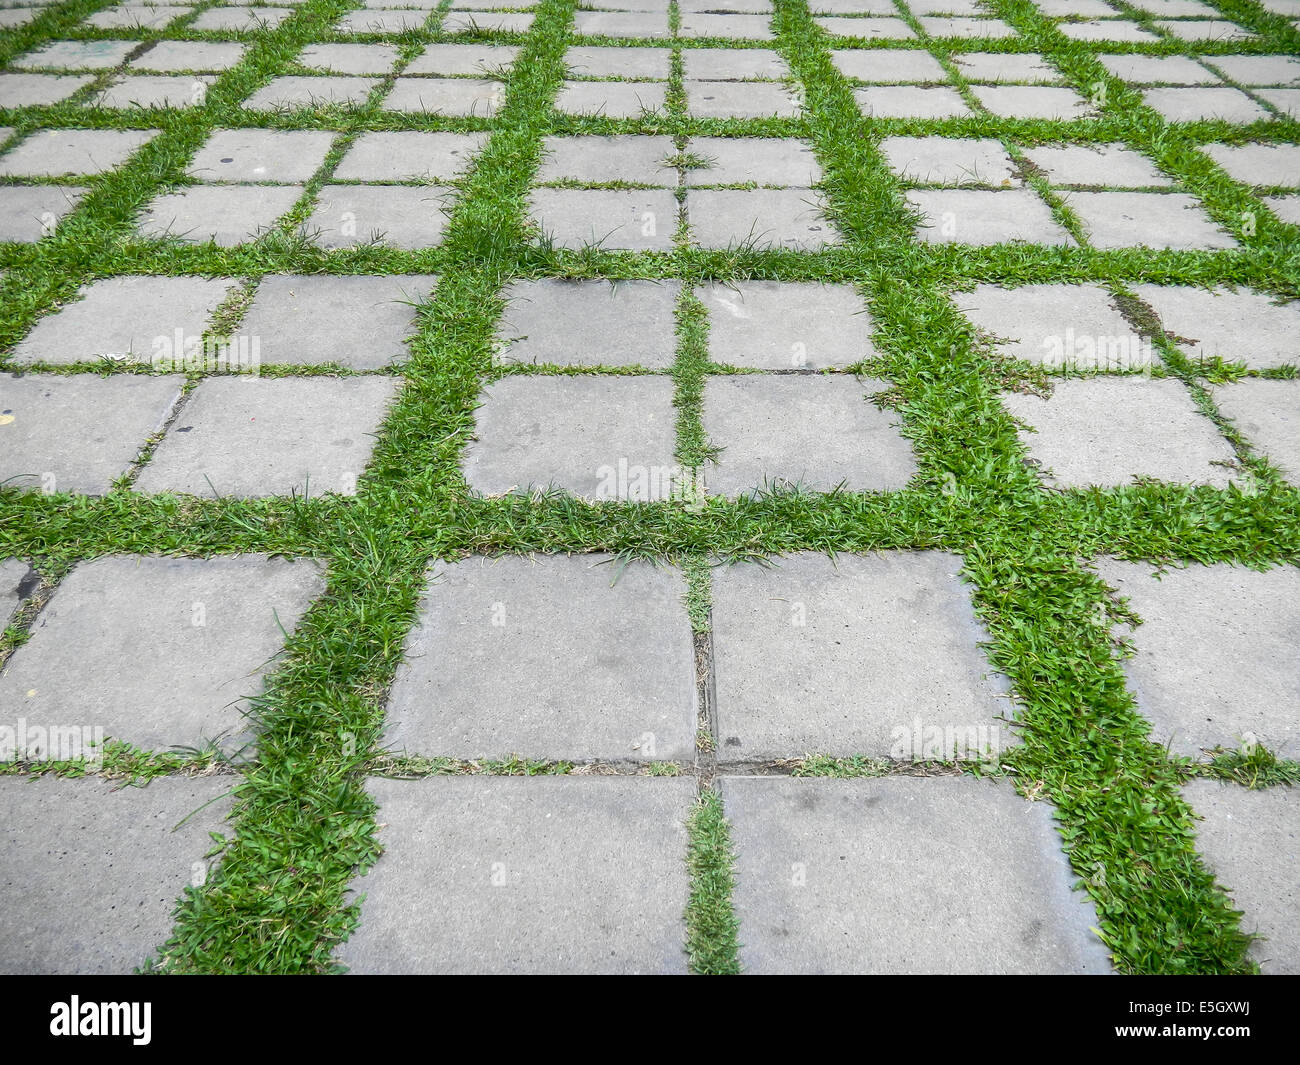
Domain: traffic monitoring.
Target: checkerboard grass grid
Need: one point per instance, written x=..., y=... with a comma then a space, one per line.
x=304, y=821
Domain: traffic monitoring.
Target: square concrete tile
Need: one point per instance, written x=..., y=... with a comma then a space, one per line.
x=596, y=160
x=1287, y=101
x=30, y=212
x=1248, y=839
x=409, y=155
x=1109, y=430
x=733, y=27
x=56, y=152
x=613, y=99
x=1268, y=415
x=349, y=58
x=868, y=29
x=245, y=438
x=970, y=216
x=758, y=160
x=136, y=16
x=149, y=90
x=78, y=433
x=1195, y=104
x=13, y=572
x=620, y=24
x=1032, y=101
x=601, y=438
x=966, y=28
x=28, y=90
x=93, y=870
x=786, y=218
x=950, y=161
x=1204, y=29
x=446, y=96
x=1146, y=219
x=1214, y=662
x=910, y=101
x=819, y=432
x=383, y=21
x=480, y=59
x=77, y=55
x=640, y=220
x=1096, y=164
x=852, y=656
x=215, y=626
x=355, y=320
x=292, y=92
x=398, y=216
x=120, y=316
x=1057, y=326
x=1282, y=70
x=630, y=62
x=1158, y=70
x=1236, y=326
x=829, y=873
x=561, y=657
x=176, y=56
x=885, y=65
x=227, y=215
x=739, y=99
x=507, y=857
x=487, y=22
x=783, y=325
x=243, y=18
x=1287, y=208
x=723, y=64
x=290, y=156
x=1260, y=165
x=1106, y=29
x=1026, y=67
x=590, y=323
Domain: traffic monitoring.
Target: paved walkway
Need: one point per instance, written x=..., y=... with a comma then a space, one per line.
x=650, y=486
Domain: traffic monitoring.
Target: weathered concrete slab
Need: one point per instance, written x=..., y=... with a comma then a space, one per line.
x=894, y=876
x=482, y=59
x=629, y=62
x=409, y=155
x=972, y=216
x=614, y=219
x=1268, y=415
x=884, y=65
x=291, y=156
x=1058, y=326
x=1261, y=165
x=1147, y=220
x=507, y=857
x=291, y=92
x=601, y=438
x=56, y=152
x=909, y=101
x=1249, y=840
x=1214, y=661
x=859, y=655
x=950, y=160
x=350, y=58
x=613, y=99
x=598, y=160
x=590, y=323
x=248, y=437
x=1110, y=430
x=214, y=627
x=788, y=218
x=27, y=90
x=227, y=215
x=760, y=160
x=781, y=325
x=445, y=96
x=1194, y=104
x=572, y=657
x=30, y=212
x=93, y=871
x=1236, y=326
x=176, y=56
x=126, y=315
x=1096, y=164
x=78, y=434
x=399, y=216
x=358, y=321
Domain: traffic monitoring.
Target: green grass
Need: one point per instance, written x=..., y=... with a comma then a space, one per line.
x=304, y=825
